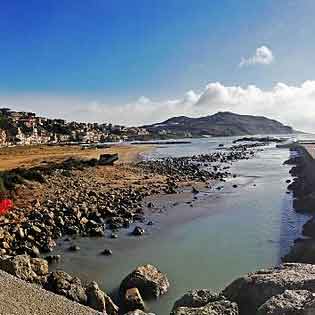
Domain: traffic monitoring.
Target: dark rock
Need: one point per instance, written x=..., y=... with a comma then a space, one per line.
x=53, y=258
x=133, y=300
x=107, y=252
x=138, y=231
x=148, y=280
x=195, y=191
x=74, y=248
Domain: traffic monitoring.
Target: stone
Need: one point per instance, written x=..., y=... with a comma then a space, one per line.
x=24, y=267
x=39, y=266
x=53, y=258
x=111, y=307
x=138, y=231
x=254, y=289
x=197, y=298
x=138, y=312
x=299, y=302
x=221, y=307
x=133, y=300
x=150, y=282
x=62, y=283
x=95, y=297
x=74, y=248
x=107, y=252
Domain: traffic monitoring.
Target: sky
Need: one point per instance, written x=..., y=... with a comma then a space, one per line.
x=141, y=61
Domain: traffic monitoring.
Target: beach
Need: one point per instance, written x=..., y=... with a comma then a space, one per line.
x=199, y=204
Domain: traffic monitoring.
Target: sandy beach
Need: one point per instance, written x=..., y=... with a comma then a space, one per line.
x=30, y=156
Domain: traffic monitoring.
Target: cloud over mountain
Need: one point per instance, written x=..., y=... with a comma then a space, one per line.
x=293, y=105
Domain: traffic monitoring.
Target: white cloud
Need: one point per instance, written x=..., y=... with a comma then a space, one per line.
x=293, y=105
x=262, y=56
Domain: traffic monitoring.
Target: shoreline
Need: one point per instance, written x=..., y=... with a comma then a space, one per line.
x=145, y=176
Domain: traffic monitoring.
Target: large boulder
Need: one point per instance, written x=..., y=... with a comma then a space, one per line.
x=254, y=289
x=25, y=267
x=148, y=280
x=221, y=307
x=300, y=302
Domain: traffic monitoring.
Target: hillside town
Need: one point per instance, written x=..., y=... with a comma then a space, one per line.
x=26, y=128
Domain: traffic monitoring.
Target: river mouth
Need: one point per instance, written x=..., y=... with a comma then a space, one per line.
x=204, y=242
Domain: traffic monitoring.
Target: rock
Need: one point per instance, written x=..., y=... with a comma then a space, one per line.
x=138, y=231
x=24, y=267
x=221, y=307
x=148, y=280
x=111, y=307
x=39, y=266
x=74, y=248
x=133, y=300
x=53, y=258
x=113, y=236
x=107, y=252
x=62, y=283
x=95, y=297
x=49, y=246
x=302, y=251
x=195, y=191
x=300, y=302
x=309, y=228
x=138, y=312
x=254, y=289
x=35, y=251
x=196, y=298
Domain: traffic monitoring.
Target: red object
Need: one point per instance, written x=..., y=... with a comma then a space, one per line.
x=5, y=206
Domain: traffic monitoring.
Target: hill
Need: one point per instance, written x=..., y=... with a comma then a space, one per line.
x=219, y=124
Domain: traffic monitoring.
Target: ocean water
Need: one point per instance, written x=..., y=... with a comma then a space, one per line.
x=225, y=235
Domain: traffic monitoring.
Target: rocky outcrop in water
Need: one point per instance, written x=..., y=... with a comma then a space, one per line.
x=150, y=281
x=255, y=289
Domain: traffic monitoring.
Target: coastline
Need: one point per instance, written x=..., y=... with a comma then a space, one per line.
x=126, y=175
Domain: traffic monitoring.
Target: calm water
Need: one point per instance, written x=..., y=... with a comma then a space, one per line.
x=224, y=236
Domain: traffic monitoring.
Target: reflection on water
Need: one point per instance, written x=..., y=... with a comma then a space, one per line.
x=228, y=234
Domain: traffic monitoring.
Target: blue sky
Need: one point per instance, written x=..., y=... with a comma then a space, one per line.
x=71, y=57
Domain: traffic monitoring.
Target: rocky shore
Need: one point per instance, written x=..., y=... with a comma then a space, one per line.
x=79, y=199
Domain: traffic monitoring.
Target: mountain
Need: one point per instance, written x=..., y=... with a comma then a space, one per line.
x=219, y=124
